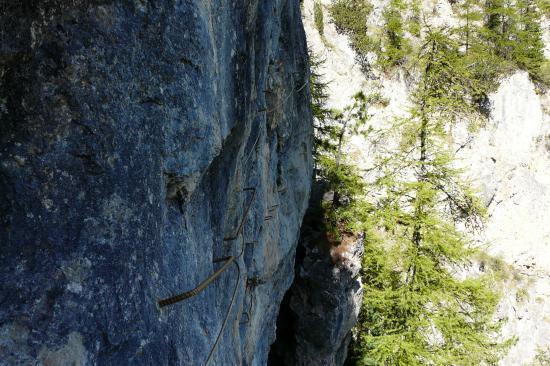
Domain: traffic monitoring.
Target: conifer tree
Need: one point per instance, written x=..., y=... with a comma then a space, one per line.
x=350, y=17
x=332, y=129
x=345, y=123
x=470, y=13
x=514, y=31
x=416, y=310
x=322, y=115
x=528, y=50
x=395, y=45
x=501, y=26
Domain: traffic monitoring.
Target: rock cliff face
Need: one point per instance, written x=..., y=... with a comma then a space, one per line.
x=129, y=133
x=325, y=302
x=509, y=161
x=322, y=306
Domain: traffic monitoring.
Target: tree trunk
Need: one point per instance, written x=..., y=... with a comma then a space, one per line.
x=336, y=196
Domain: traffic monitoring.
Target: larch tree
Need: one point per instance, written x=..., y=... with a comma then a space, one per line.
x=417, y=311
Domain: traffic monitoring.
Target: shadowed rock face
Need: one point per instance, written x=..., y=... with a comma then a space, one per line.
x=326, y=299
x=322, y=306
x=128, y=131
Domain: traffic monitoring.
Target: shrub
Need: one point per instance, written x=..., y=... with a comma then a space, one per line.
x=350, y=17
x=318, y=18
x=543, y=357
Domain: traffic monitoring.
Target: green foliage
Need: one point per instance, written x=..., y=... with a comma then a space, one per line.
x=542, y=358
x=324, y=131
x=500, y=26
x=318, y=18
x=416, y=310
x=528, y=51
x=522, y=295
x=497, y=267
x=331, y=130
x=545, y=72
x=413, y=25
x=395, y=46
x=342, y=177
x=355, y=116
x=514, y=32
x=350, y=212
x=500, y=36
x=344, y=124
x=390, y=45
x=495, y=36
x=544, y=7
x=471, y=16
x=350, y=17
x=426, y=316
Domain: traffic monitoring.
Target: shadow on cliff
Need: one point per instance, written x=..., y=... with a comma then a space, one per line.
x=322, y=305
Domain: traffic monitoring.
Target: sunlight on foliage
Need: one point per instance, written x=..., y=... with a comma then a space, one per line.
x=542, y=358
x=494, y=37
x=318, y=18
x=417, y=310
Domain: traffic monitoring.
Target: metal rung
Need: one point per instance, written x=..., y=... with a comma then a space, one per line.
x=185, y=295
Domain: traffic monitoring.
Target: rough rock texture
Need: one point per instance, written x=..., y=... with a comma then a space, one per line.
x=128, y=131
x=326, y=299
x=322, y=306
x=509, y=162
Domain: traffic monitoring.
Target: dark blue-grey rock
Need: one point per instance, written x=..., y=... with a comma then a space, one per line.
x=321, y=308
x=325, y=301
x=128, y=131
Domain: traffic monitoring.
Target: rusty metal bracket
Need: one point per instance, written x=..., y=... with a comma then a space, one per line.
x=247, y=318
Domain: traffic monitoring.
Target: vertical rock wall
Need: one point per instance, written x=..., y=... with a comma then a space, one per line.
x=319, y=311
x=128, y=131
x=326, y=299
x=509, y=163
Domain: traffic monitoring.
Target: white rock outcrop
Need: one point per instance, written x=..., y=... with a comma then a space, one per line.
x=509, y=162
